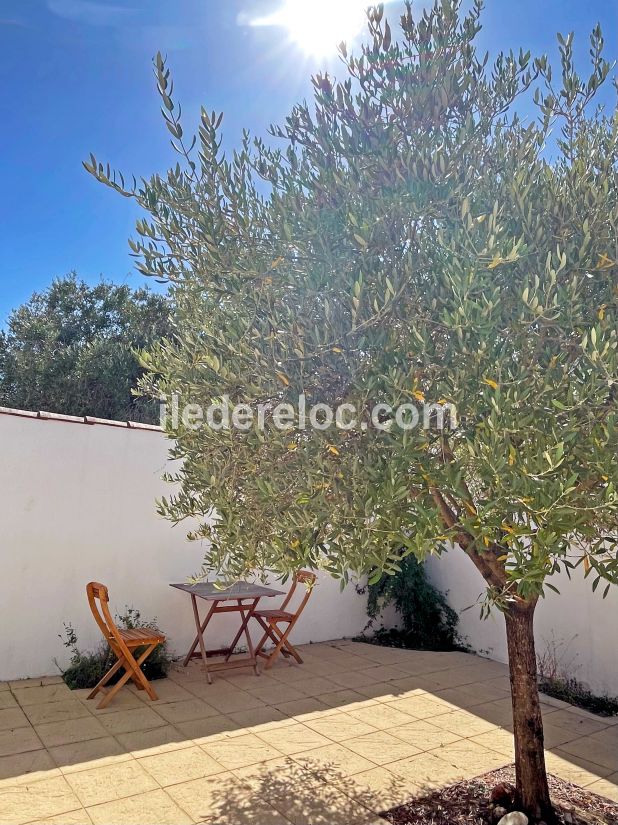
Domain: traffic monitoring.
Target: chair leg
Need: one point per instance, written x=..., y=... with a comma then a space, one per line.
x=109, y=695
x=282, y=643
x=113, y=669
x=290, y=650
x=268, y=634
x=138, y=674
x=137, y=682
x=278, y=647
x=132, y=671
x=260, y=645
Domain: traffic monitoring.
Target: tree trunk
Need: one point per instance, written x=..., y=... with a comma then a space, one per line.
x=532, y=788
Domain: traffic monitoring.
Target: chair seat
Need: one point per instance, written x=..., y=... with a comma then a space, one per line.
x=138, y=636
x=274, y=614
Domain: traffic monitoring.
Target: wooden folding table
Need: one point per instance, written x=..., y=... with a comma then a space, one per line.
x=242, y=598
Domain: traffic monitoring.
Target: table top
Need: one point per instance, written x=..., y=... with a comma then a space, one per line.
x=239, y=590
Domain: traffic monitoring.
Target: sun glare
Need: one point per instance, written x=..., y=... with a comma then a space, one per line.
x=318, y=26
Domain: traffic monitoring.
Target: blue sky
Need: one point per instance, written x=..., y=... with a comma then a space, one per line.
x=77, y=77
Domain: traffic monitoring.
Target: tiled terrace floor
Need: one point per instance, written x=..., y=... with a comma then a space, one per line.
x=353, y=731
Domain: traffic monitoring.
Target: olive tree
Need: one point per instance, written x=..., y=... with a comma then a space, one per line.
x=407, y=238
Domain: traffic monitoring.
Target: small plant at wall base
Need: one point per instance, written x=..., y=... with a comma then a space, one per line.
x=556, y=679
x=428, y=622
x=88, y=668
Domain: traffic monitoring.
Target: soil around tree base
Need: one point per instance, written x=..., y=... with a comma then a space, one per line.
x=469, y=803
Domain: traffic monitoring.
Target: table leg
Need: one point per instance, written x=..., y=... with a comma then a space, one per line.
x=200, y=638
x=200, y=630
x=238, y=635
x=248, y=637
x=241, y=610
x=245, y=611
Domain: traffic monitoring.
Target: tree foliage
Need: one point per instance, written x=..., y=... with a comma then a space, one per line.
x=416, y=240
x=71, y=349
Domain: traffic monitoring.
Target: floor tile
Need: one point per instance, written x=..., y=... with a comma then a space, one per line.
x=424, y=735
x=48, y=797
x=239, y=751
x=274, y=694
x=26, y=683
x=381, y=691
x=316, y=685
x=340, y=726
x=46, y=693
x=497, y=740
x=556, y=736
x=313, y=802
x=77, y=730
x=384, y=672
x=470, y=757
x=156, y=740
x=470, y=695
x=185, y=710
x=18, y=740
x=606, y=787
x=302, y=707
x=205, y=730
x=574, y=768
x=109, y=782
x=593, y=750
x=233, y=701
x=79, y=817
x=378, y=789
x=174, y=767
x=259, y=718
x=319, y=804
x=152, y=808
x=11, y=718
x=333, y=762
x=7, y=700
x=124, y=700
x=62, y=711
x=295, y=738
x=26, y=767
x=354, y=679
x=127, y=721
x=576, y=724
x=381, y=747
x=293, y=673
x=167, y=691
x=91, y=753
x=421, y=707
x=382, y=716
x=342, y=699
x=207, y=799
x=426, y=771
x=462, y=723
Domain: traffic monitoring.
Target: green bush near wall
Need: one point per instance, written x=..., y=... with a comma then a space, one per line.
x=87, y=669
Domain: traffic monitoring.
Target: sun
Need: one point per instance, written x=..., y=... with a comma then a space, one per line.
x=318, y=26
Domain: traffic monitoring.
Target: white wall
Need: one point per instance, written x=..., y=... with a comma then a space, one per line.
x=77, y=504
x=579, y=624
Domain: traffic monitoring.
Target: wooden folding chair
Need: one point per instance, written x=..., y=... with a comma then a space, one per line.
x=123, y=644
x=270, y=620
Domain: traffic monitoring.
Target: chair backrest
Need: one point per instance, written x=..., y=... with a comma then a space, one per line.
x=98, y=599
x=307, y=578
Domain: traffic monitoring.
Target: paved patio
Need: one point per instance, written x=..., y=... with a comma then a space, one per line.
x=353, y=731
